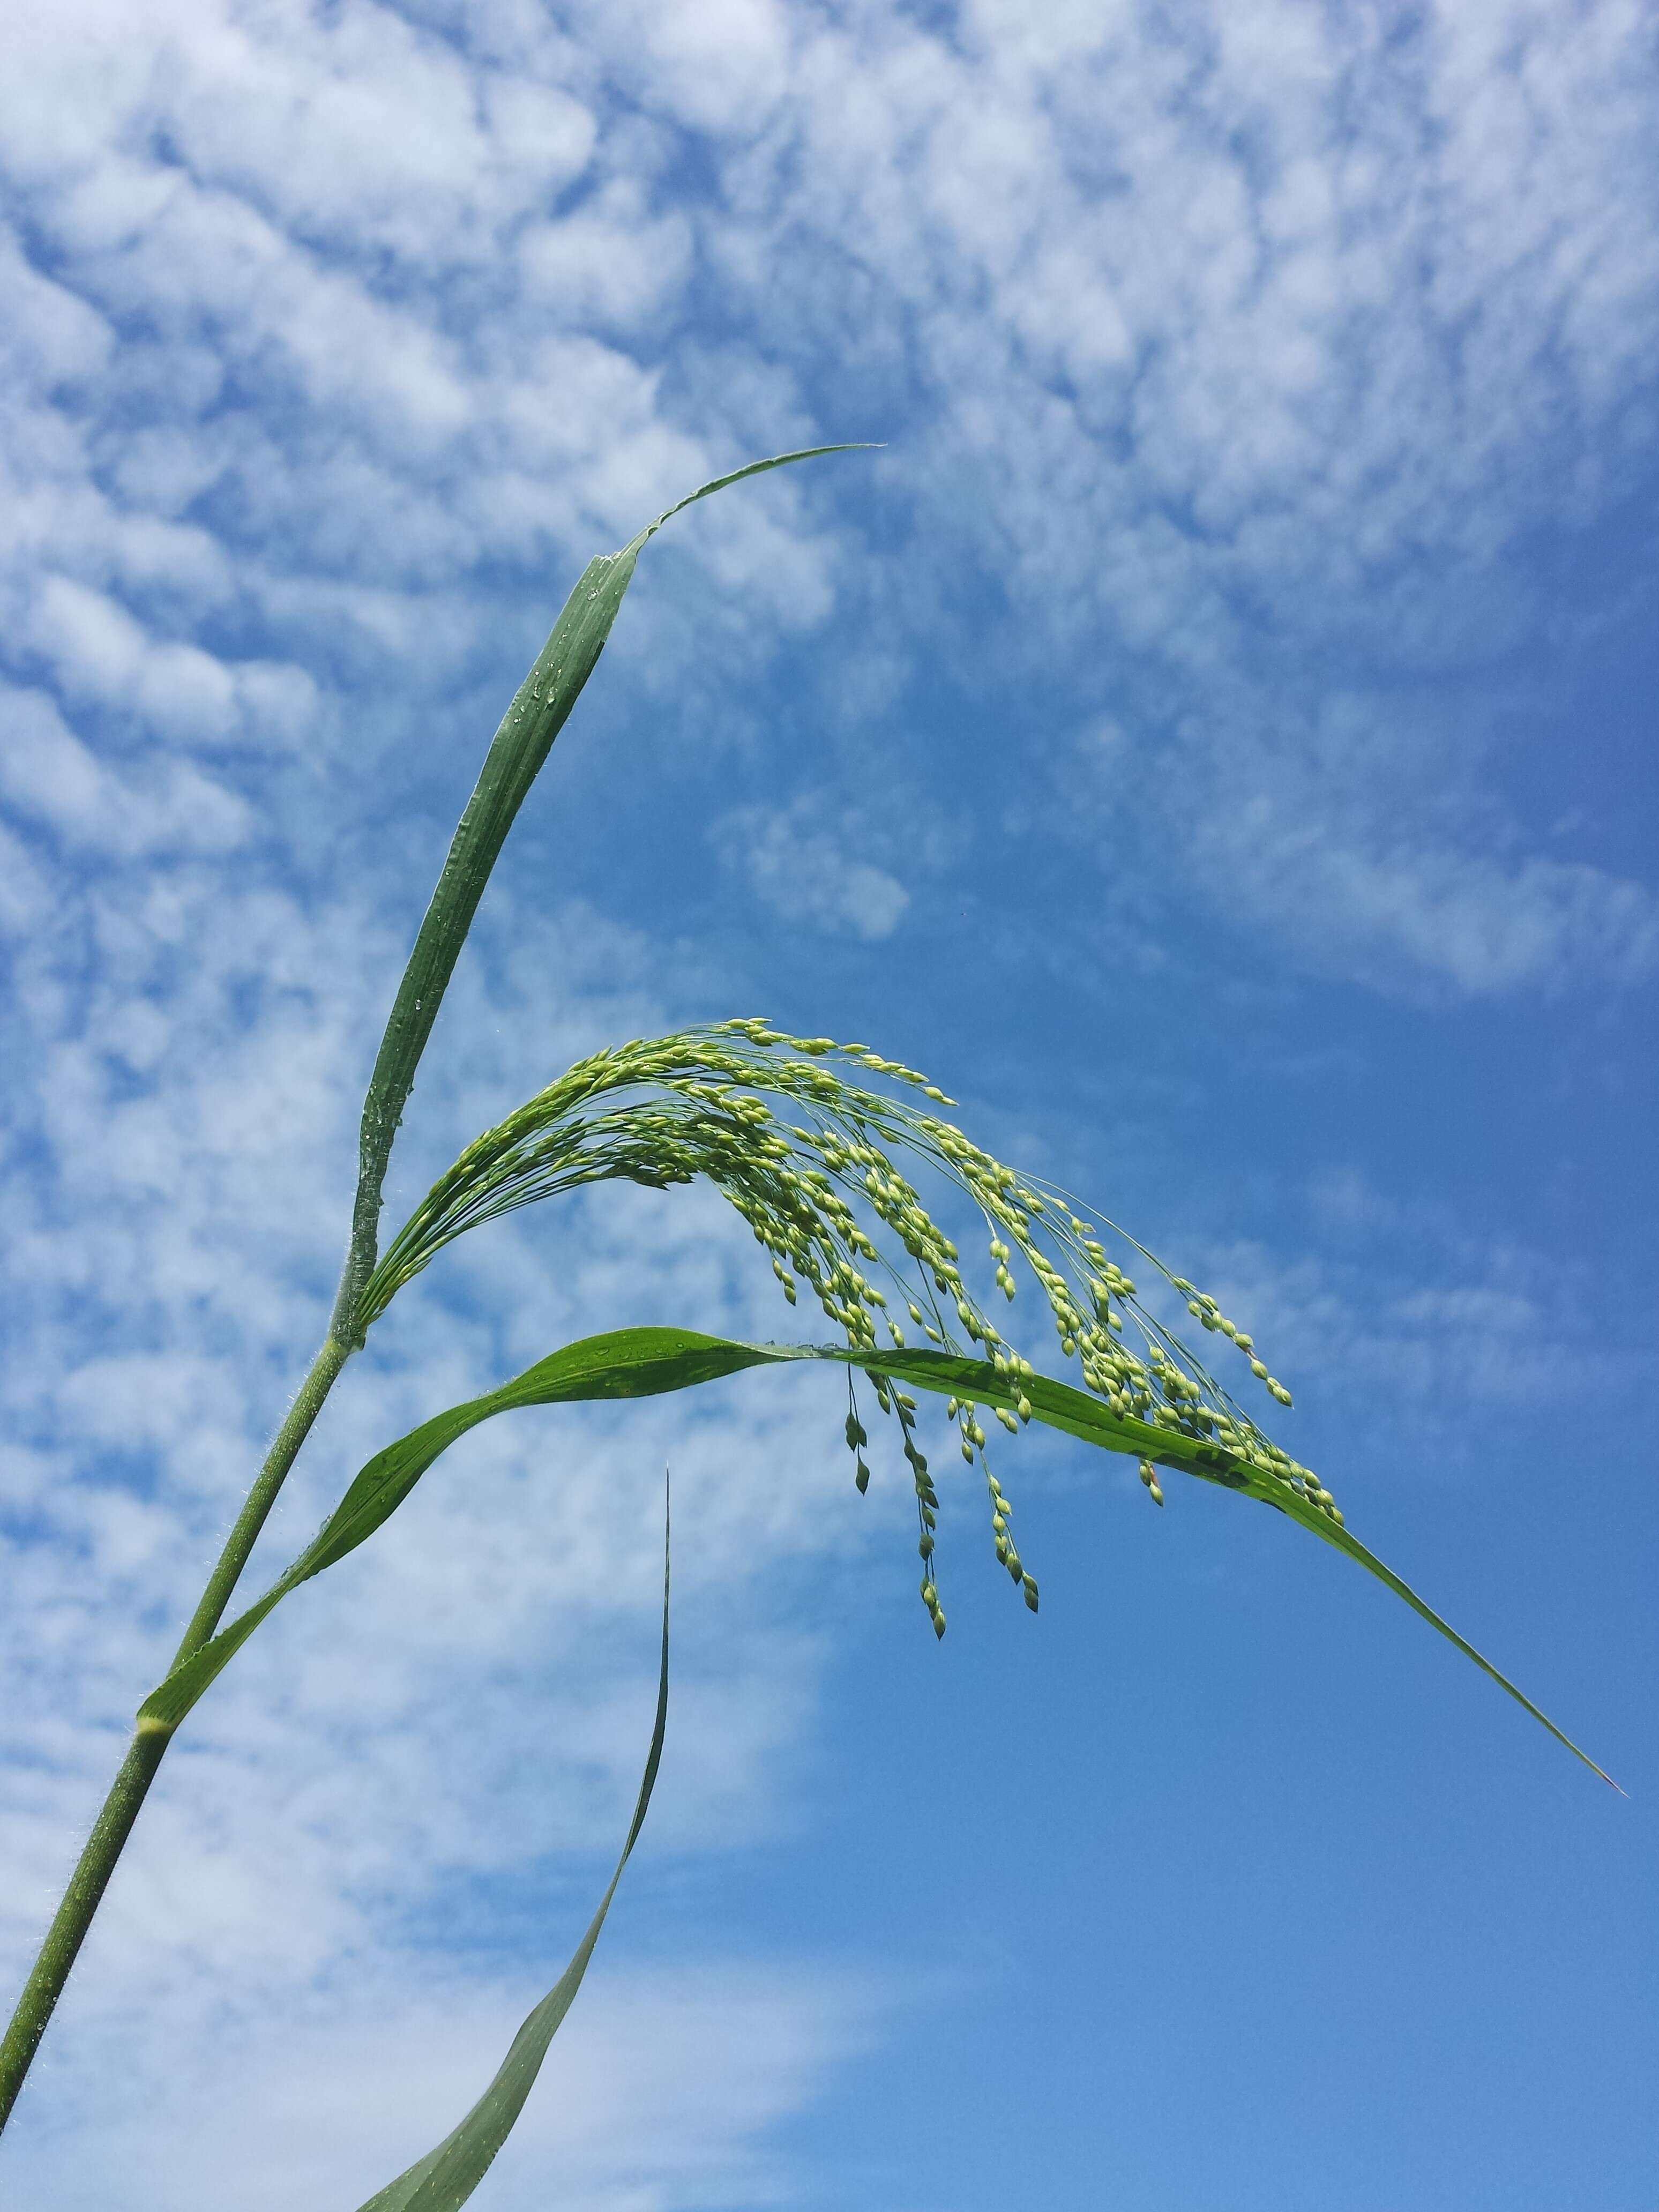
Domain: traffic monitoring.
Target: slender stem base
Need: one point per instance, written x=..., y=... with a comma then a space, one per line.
x=74, y=1915
x=112, y=1827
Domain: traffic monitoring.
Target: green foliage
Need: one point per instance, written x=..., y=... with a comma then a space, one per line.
x=444, y=2179
x=644, y=1362
x=518, y=752
x=821, y=1188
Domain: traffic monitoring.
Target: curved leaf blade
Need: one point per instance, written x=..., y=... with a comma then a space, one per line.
x=637, y=1362
x=444, y=2179
x=634, y=1363
x=539, y=711
x=737, y=475
x=1061, y=1406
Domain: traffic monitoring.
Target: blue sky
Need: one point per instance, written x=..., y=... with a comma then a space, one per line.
x=1213, y=736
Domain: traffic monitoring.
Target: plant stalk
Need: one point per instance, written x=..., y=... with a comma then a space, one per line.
x=539, y=710
x=112, y=1827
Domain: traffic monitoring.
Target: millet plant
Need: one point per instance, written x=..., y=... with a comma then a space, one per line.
x=817, y=1145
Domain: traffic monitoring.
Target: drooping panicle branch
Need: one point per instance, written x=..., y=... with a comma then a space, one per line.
x=791, y=1133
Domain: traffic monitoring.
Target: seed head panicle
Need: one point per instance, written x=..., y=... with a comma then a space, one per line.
x=810, y=1157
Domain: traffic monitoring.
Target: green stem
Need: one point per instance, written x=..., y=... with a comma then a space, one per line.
x=112, y=1827
x=307, y=1404
x=516, y=756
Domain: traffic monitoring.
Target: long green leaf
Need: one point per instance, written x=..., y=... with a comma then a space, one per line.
x=642, y=1363
x=540, y=709
x=636, y=1363
x=446, y=2176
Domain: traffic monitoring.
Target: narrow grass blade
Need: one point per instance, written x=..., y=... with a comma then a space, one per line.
x=1060, y=1406
x=634, y=1363
x=737, y=475
x=640, y=1362
x=539, y=710
x=447, y=2176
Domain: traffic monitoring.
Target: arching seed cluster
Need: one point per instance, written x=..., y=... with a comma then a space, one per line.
x=807, y=1156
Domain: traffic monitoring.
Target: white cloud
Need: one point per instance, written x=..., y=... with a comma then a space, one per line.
x=1369, y=901
x=1237, y=343
x=663, y=2097
x=614, y=265
x=810, y=865
x=1339, y=831
x=47, y=773
x=1410, y=1350
x=1258, y=340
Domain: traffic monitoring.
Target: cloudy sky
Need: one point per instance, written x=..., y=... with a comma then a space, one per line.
x=1213, y=736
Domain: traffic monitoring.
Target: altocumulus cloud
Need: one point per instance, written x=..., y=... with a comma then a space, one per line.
x=814, y=869
x=1231, y=345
